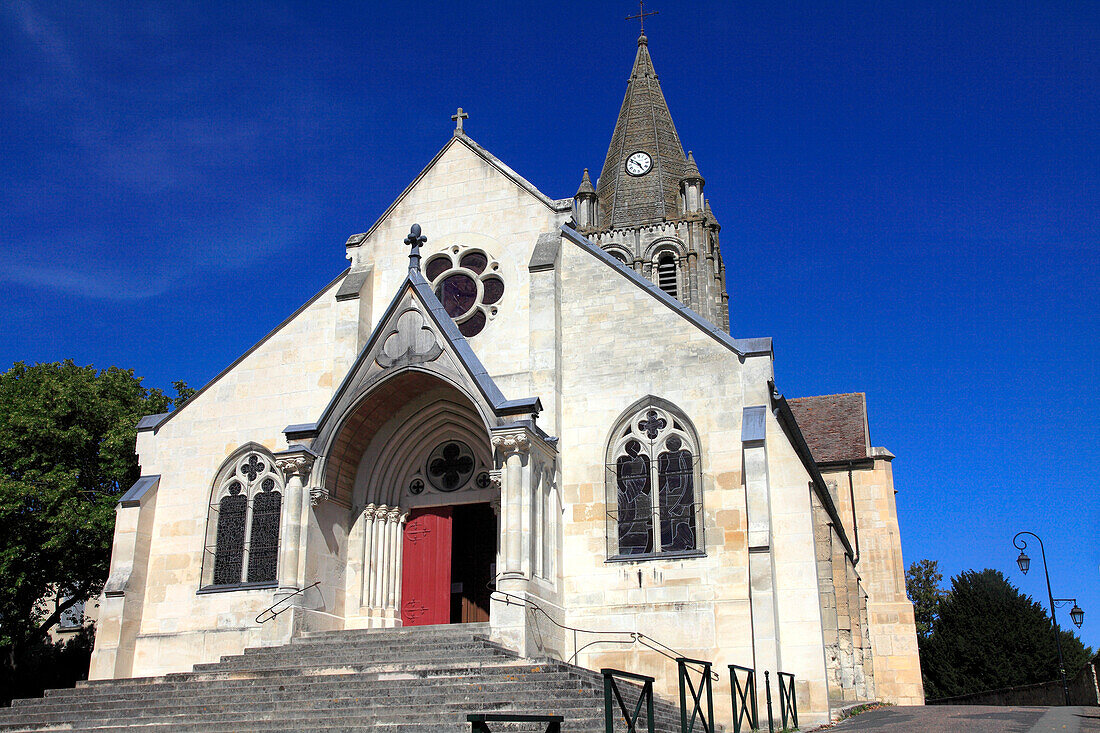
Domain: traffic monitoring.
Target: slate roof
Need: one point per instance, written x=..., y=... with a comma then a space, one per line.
x=644, y=124
x=835, y=426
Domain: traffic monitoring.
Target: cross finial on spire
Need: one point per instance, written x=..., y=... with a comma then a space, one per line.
x=641, y=16
x=414, y=240
x=458, y=117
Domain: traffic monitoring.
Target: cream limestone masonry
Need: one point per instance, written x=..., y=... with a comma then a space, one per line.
x=890, y=614
x=575, y=332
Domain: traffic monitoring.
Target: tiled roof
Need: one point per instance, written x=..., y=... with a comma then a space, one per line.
x=835, y=425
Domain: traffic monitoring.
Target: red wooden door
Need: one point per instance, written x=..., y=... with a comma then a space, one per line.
x=426, y=567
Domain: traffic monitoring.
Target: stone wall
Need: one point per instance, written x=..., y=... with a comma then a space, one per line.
x=891, y=631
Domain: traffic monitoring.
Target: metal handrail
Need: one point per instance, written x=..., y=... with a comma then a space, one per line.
x=262, y=619
x=478, y=721
x=743, y=698
x=634, y=637
x=788, y=704
x=612, y=695
x=688, y=689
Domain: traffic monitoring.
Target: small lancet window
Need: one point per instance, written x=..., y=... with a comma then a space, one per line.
x=666, y=274
x=243, y=530
x=653, y=475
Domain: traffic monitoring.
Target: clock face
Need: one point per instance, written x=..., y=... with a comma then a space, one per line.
x=638, y=164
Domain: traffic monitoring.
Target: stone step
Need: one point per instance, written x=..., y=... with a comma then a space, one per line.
x=323, y=683
x=552, y=689
x=440, y=631
x=256, y=661
x=416, y=680
x=446, y=724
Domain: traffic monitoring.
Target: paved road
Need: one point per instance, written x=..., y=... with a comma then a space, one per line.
x=973, y=719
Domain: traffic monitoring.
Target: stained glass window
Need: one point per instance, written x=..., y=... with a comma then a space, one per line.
x=245, y=516
x=635, y=518
x=494, y=289
x=437, y=266
x=468, y=284
x=675, y=479
x=450, y=466
x=457, y=293
x=263, y=549
x=652, y=500
x=475, y=261
x=229, y=554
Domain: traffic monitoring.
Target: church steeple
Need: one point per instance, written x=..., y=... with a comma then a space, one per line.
x=645, y=161
x=648, y=208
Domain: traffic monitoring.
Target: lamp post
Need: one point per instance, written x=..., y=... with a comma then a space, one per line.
x=1076, y=613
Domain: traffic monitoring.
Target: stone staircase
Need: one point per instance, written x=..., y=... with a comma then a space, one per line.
x=396, y=680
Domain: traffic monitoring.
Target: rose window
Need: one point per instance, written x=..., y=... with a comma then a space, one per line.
x=469, y=286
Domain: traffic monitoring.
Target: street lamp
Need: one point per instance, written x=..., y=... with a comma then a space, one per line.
x=1076, y=613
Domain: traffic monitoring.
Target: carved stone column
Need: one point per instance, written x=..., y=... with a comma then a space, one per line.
x=368, y=555
x=296, y=465
x=512, y=449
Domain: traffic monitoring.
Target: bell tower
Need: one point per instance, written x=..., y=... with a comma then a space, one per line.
x=647, y=207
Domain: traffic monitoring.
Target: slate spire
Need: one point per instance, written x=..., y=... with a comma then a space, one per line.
x=644, y=125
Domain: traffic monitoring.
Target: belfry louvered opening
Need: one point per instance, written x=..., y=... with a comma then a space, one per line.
x=666, y=274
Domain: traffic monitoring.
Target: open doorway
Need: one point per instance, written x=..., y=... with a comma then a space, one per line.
x=449, y=561
x=473, y=562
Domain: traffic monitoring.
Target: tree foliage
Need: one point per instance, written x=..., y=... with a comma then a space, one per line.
x=986, y=635
x=922, y=585
x=66, y=453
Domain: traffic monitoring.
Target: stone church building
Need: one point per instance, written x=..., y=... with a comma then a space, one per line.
x=530, y=412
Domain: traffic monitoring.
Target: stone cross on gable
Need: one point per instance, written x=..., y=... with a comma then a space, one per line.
x=458, y=117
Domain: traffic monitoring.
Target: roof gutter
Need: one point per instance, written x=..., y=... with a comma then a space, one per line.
x=783, y=414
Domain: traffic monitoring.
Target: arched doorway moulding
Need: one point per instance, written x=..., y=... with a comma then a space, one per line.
x=342, y=445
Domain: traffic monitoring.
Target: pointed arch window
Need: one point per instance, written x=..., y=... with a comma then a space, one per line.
x=242, y=547
x=653, y=498
x=666, y=273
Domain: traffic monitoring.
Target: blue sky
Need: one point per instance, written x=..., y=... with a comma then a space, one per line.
x=908, y=193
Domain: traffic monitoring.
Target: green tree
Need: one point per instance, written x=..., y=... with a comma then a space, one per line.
x=988, y=635
x=66, y=453
x=922, y=585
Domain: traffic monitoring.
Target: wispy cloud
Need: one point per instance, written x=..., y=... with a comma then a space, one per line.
x=43, y=32
x=97, y=286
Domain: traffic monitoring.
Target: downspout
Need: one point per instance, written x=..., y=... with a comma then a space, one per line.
x=855, y=524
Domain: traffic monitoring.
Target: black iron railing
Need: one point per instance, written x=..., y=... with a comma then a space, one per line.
x=768, y=696
x=696, y=690
x=270, y=613
x=608, y=637
x=744, y=698
x=612, y=693
x=788, y=707
x=479, y=722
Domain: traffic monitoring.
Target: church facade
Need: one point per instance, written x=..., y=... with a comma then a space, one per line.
x=528, y=412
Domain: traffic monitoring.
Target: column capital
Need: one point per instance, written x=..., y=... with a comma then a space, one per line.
x=296, y=461
x=509, y=443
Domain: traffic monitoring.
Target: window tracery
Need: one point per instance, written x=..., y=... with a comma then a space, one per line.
x=653, y=485
x=243, y=527
x=468, y=284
